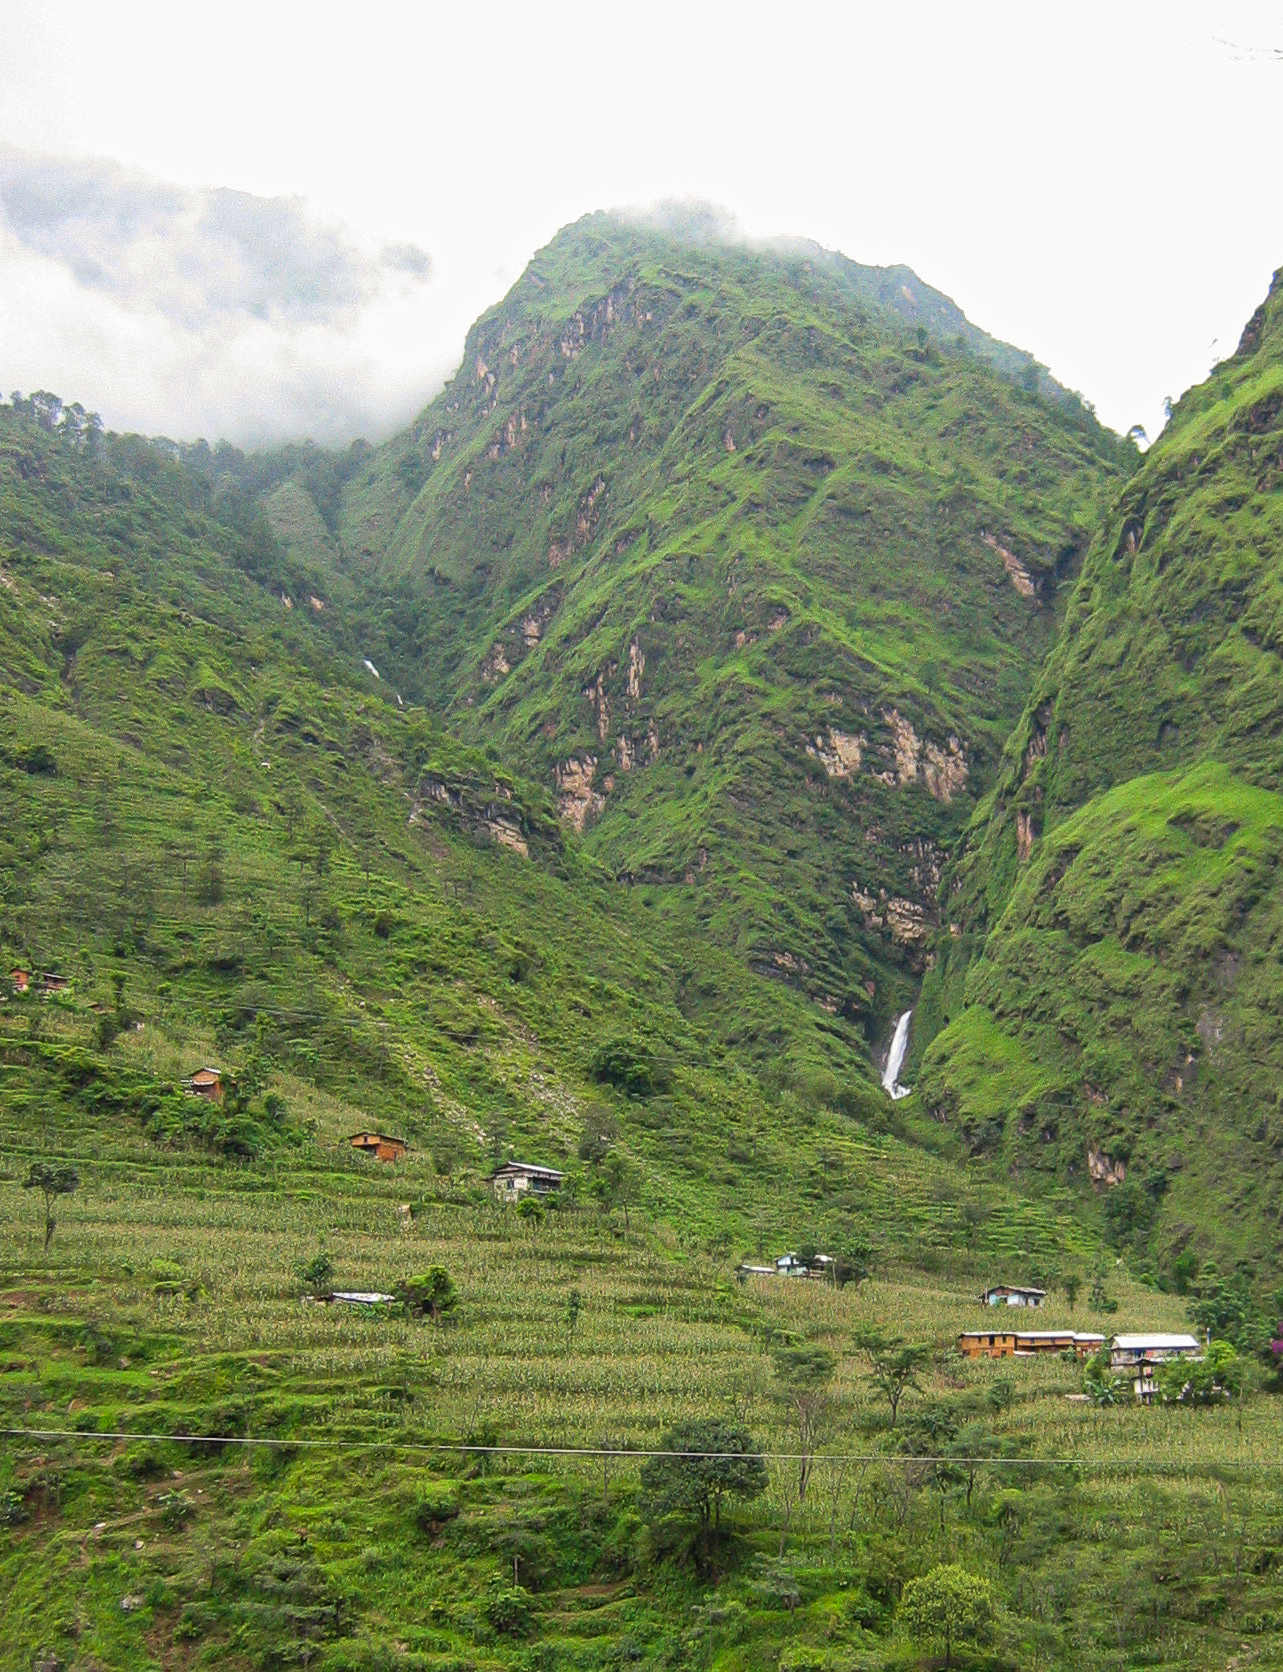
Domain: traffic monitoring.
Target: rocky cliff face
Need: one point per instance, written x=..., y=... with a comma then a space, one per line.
x=750, y=572
x=1115, y=970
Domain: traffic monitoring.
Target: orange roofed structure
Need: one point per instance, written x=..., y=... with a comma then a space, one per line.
x=205, y=1082
x=379, y=1145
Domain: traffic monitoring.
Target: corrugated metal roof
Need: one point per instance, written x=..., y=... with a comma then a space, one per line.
x=1139, y=1343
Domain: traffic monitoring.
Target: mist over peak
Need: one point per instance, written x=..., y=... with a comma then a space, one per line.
x=205, y=309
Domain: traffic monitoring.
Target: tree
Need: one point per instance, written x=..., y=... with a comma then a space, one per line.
x=703, y=1464
x=949, y=1606
x=598, y=1136
x=1224, y=1305
x=1071, y=1285
x=1099, y=1297
x=432, y=1294
x=619, y=1182
x=896, y=1365
x=574, y=1306
x=1100, y=1384
x=852, y=1261
x=318, y=1272
x=51, y=1181
x=1211, y=1380
x=802, y=1376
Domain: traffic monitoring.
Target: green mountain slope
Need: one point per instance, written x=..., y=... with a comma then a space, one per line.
x=749, y=556
x=284, y=868
x=1114, y=991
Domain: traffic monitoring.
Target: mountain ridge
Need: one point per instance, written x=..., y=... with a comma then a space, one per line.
x=677, y=486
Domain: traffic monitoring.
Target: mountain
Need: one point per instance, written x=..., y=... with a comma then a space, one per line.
x=238, y=844
x=749, y=556
x=261, y=807
x=1107, y=1003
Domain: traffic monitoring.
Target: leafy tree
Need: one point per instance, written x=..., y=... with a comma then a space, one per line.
x=852, y=1261
x=896, y=1365
x=530, y=1208
x=1100, y=1384
x=1071, y=1284
x=51, y=1181
x=598, y=1136
x=1224, y=1305
x=709, y=1461
x=1099, y=1297
x=574, y=1306
x=630, y=1064
x=432, y=1294
x=1219, y=1375
x=619, y=1184
x=949, y=1606
x=777, y=1585
x=318, y=1272
x=802, y=1377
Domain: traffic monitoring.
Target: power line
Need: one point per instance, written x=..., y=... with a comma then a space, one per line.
x=1144, y=1465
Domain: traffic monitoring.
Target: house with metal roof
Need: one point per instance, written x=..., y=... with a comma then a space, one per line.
x=511, y=1181
x=1013, y=1294
x=1141, y=1355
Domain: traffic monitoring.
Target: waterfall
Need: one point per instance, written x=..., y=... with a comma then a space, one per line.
x=895, y=1059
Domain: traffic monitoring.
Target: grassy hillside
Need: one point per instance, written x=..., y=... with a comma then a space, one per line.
x=748, y=556
x=1114, y=989
x=237, y=843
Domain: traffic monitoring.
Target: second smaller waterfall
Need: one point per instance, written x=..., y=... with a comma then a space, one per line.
x=895, y=1059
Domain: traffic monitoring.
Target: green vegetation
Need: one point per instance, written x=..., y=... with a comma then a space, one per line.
x=1108, y=1008
x=749, y=556
x=573, y=1438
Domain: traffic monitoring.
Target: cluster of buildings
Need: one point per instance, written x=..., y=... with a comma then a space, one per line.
x=1138, y=1356
x=24, y=981
x=510, y=1182
x=790, y=1265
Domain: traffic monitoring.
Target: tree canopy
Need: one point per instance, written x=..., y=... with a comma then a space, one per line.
x=708, y=1461
x=949, y=1606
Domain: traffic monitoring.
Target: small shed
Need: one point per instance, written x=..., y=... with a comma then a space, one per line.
x=511, y=1181
x=20, y=980
x=744, y=1272
x=205, y=1082
x=380, y=1145
x=357, y=1297
x=1013, y=1294
x=54, y=983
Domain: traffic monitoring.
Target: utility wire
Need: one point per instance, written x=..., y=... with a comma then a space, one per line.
x=1149, y=1465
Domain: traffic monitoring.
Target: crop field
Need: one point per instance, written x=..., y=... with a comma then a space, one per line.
x=211, y=1470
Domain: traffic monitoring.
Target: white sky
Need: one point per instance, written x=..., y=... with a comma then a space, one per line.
x=1097, y=183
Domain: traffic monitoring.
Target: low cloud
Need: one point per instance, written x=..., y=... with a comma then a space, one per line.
x=209, y=311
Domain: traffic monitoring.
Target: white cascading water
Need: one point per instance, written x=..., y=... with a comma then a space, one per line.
x=895, y=1059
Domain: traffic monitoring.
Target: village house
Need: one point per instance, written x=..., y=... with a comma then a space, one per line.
x=205, y=1082
x=379, y=1145
x=1141, y=1355
x=790, y=1265
x=511, y=1181
x=1010, y=1294
x=1024, y=1343
x=353, y=1297
x=20, y=980
x=52, y=983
